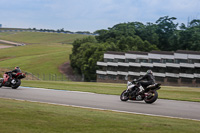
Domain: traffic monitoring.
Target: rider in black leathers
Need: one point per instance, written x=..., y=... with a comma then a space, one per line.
x=16, y=70
x=13, y=72
x=150, y=80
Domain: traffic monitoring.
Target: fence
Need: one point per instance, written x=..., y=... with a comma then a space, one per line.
x=47, y=77
x=53, y=77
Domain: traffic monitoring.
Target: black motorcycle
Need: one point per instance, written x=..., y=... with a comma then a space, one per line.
x=149, y=95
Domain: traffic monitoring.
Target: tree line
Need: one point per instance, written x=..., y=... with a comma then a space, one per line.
x=62, y=31
x=164, y=35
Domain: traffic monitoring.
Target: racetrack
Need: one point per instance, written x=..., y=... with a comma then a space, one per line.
x=11, y=43
x=166, y=108
x=2, y=46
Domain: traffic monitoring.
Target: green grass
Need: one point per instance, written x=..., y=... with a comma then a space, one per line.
x=40, y=38
x=180, y=93
x=46, y=52
x=42, y=59
x=24, y=117
x=166, y=92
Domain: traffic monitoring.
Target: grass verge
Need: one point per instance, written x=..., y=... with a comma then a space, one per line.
x=166, y=92
x=23, y=117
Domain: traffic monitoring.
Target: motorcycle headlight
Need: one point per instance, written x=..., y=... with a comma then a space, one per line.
x=129, y=83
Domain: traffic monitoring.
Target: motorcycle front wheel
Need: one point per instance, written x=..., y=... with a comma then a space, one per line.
x=152, y=97
x=17, y=84
x=124, y=96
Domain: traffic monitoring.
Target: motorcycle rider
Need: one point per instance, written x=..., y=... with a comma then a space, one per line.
x=16, y=70
x=150, y=80
x=11, y=73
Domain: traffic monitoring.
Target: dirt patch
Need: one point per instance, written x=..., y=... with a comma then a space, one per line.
x=6, y=58
x=67, y=70
x=195, y=98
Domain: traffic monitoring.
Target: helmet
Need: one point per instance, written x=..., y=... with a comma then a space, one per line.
x=16, y=67
x=149, y=71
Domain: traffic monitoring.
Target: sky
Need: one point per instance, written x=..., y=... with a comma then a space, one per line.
x=92, y=15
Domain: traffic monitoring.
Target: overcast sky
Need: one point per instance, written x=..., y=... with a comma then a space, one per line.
x=91, y=15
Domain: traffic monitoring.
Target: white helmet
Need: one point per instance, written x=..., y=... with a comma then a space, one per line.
x=149, y=71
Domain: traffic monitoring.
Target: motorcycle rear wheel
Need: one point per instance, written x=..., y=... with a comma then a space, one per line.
x=152, y=98
x=1, y=83
x=124, y=96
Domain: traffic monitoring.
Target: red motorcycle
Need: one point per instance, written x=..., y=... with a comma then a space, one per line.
x=14, y=82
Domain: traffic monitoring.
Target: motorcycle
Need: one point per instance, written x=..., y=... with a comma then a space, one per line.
x=15, y=81
x=149, y=95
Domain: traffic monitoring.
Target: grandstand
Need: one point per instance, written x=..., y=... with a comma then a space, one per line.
x=180, y=68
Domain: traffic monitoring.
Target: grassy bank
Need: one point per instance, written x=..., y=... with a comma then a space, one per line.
x=36, y=58
x=44, y=53
x=166, y=92
x=40, y=38
x=23, y=117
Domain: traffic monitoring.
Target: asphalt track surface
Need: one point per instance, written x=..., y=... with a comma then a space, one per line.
x=164, y=108
x=9, y=42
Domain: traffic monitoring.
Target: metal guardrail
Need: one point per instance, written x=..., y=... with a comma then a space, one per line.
x=54, y=77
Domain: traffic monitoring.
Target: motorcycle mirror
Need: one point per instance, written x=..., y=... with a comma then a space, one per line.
x=126, y=77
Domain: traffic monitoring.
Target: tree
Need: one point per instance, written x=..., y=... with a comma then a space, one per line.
x=149, y=34
x=77, y=43
x=86, y=58
x=133, y=36
x=190, y=36
x=166, y=29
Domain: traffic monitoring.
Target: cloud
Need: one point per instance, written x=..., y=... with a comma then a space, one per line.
x=92, y=14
